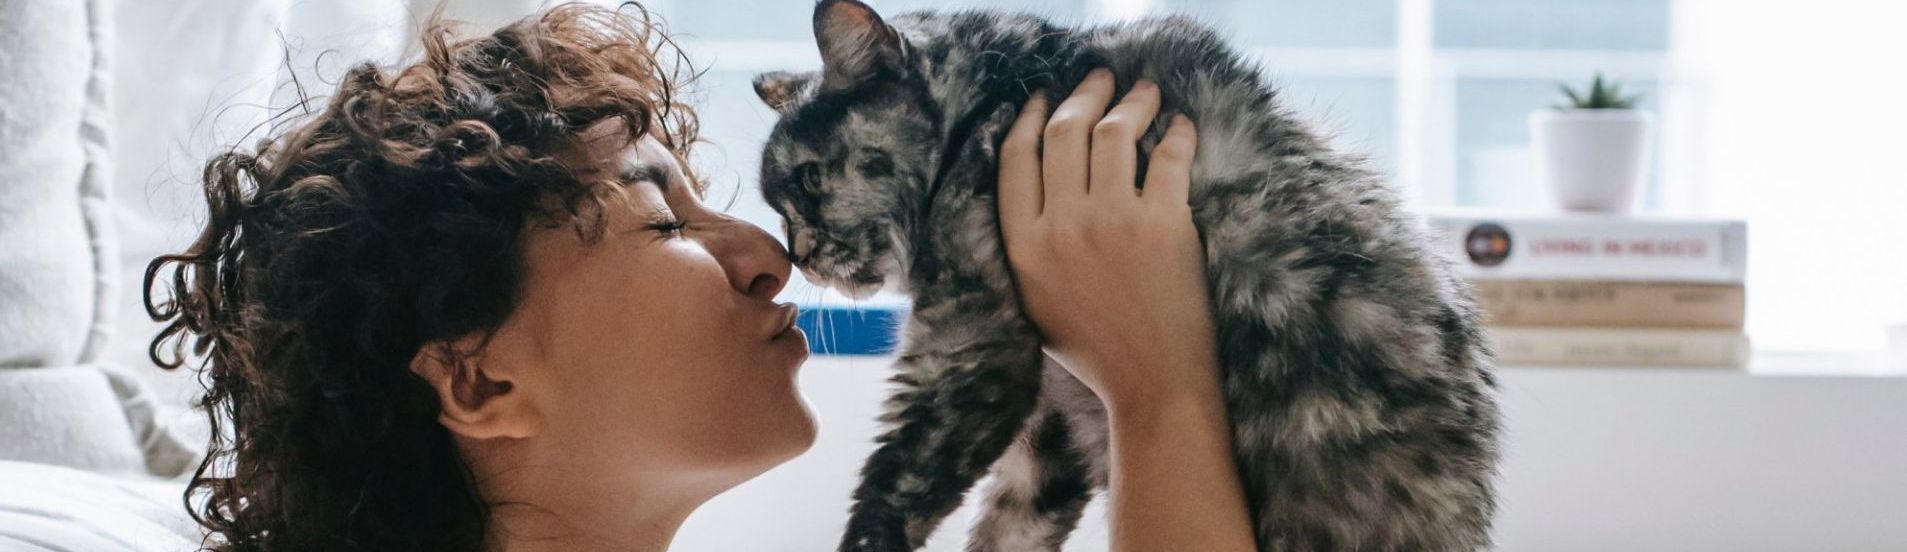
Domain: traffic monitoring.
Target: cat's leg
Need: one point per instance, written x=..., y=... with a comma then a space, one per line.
x=969, y=374
x=1042, y=484
x=967, y=385
x=1350, y=442
x=1085, y=420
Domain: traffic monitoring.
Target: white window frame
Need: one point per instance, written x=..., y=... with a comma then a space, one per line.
x=1425, y=79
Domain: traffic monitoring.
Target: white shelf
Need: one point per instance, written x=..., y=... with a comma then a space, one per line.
x=1777, y=364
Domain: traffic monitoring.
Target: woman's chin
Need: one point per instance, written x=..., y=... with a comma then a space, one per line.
x=797, y=435
x=805, y=434
x=797, y=425
x=749, y=452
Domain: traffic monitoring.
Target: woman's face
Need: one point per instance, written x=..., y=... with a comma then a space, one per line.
x=658, y=348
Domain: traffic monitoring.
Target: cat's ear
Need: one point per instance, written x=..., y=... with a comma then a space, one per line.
x=855, y=44
x=779, y=89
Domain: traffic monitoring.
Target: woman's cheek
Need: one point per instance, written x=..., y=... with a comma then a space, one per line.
x=727, y=400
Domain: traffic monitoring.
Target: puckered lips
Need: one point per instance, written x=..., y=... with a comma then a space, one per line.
x=784, y=321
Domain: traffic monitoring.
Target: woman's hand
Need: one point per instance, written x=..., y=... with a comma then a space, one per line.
x=1113, y=277
x=1115, y=280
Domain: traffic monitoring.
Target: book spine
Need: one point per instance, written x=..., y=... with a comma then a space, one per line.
x=837, y=330
x=1618, y=347
x=1618, y=304
x=1595, y=249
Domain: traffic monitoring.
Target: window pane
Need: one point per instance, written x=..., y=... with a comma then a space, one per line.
x=751, y=21
x=1329, y=59
x=1495, y=165
x=1358, y=113
x=779, y=20
x=1553, y=24
x=1298, y=23
x=1064, y=12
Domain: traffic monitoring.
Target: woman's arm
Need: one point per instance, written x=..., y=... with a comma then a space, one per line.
x=1114, y=279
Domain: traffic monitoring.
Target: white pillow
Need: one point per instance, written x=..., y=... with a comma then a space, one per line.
x=56, y=263
x=54, y=508
x=57, y=254
x=67, y=416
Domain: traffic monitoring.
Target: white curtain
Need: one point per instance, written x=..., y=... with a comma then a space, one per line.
x=1792, y=115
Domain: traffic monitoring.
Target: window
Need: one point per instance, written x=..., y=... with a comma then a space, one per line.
x=1783, y=114
x=1437, y=94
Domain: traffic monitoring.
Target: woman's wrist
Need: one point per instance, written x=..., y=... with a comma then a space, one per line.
x=1174, y=480
x=1166, y=419
x=1189, y=385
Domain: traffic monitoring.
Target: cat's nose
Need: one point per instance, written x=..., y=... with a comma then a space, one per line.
x=800, y=245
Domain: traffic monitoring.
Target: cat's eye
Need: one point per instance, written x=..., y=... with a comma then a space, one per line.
x=808, y=175
x=875, y=164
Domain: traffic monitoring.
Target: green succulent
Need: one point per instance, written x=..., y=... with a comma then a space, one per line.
x=1601, y=95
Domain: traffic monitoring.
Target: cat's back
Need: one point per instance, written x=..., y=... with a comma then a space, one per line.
x=1271, y=193
x=1172, y=41
x=1196, y=68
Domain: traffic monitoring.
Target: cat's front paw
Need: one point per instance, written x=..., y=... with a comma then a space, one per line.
x=873, y=542
x=866, y=534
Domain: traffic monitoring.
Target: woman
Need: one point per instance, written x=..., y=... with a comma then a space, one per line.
x=476, y=303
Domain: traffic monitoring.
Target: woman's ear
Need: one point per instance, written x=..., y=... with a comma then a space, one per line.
x=481, y=398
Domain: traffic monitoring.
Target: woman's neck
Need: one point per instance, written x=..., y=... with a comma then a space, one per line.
x=523, y=527
x=547, y=503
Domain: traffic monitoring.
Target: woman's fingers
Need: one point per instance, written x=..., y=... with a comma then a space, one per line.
x=1115, y=140
x=1068, y=137
x=1169, y=174
x=1021, y=189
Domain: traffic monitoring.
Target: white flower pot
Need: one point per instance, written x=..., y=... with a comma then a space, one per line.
x=1591, y=159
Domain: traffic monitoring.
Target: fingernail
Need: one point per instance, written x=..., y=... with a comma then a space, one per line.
x=1144, y=84
x=1181, y=119
x=1100, y=73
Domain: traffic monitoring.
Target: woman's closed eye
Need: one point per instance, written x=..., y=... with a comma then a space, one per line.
x=667, y=223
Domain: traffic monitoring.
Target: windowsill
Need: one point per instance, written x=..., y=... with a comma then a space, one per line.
x=1779, y=364
x=869, y=331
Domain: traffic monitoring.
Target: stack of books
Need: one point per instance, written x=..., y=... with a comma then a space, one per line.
x=1604, y=290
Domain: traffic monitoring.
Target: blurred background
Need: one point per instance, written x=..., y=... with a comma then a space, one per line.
x=1787, y=115
x=1784, y=114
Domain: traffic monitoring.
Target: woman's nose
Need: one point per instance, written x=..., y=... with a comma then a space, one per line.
x=756, y=264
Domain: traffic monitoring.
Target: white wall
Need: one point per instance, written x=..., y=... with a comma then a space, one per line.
x=1793, y=122
x=1633, y=460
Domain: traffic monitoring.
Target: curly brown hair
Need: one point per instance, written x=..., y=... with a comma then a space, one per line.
x=389, y=221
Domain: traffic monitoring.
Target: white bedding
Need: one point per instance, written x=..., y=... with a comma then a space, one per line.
x=44, y=507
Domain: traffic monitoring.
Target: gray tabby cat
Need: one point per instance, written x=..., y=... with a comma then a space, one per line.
x=1358, y=386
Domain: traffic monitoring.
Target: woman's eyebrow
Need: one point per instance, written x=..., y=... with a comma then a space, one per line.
x=635, y=170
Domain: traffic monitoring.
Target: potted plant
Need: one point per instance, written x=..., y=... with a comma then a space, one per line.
x=1591, y=151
